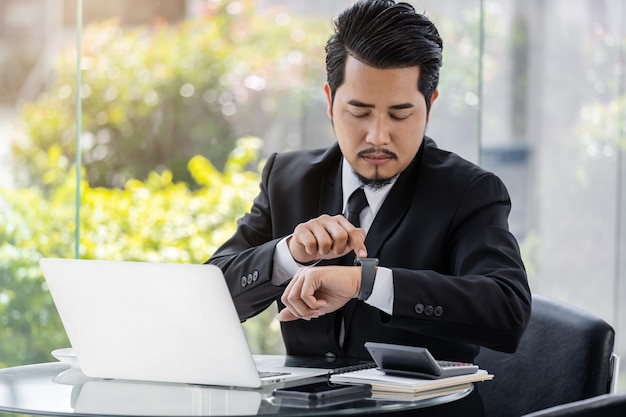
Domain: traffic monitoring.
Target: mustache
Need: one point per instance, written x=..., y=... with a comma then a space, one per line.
x=384, y=151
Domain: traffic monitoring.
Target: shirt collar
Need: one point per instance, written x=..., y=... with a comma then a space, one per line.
x=350, y=182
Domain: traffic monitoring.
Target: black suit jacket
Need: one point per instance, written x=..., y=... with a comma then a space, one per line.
x=458, y=277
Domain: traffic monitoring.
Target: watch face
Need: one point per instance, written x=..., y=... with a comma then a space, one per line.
x=360, y=261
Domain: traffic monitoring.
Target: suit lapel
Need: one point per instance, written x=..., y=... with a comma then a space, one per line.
x=331, y=196
x=394, y=207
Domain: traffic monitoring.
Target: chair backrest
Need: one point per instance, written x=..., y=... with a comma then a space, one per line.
x=607, y=405
x=565, y=355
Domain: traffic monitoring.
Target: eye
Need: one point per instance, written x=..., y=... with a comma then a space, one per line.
x=358, y=115
x=399, y=117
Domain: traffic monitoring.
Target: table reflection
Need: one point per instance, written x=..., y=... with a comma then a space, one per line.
x=58, y=389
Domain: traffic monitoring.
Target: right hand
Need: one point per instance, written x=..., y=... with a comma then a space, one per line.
x=326, y=237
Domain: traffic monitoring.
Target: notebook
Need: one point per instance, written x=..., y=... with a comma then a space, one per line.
x=156, y=322
x=384, y=383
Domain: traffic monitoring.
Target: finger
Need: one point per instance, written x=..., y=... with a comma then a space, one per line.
x=286, y=315
x=299, y=312
x=314, y=236
x=309, y=284
x=339, y=236
x=313, y=303
x=323, y=241
x=357, y=242
x=292, y=299
x=306, y=238
x=356, y=238
x=288, y=298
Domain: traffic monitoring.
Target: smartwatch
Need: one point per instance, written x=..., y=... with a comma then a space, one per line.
x=368, y=274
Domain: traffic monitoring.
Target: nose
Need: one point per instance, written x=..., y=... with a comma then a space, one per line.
x=378, y=133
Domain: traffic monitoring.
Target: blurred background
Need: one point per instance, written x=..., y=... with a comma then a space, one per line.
x=178, y=103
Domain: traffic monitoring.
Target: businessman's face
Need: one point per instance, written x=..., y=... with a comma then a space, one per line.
x=379, y=117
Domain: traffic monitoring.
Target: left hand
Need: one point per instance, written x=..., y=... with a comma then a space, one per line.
x=319, y=290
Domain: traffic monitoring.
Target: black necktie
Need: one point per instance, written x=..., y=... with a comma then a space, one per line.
x=356, y=203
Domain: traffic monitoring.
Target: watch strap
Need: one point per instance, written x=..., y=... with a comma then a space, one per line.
x=368, y=275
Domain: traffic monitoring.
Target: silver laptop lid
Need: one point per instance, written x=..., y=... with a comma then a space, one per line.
x=151, y=321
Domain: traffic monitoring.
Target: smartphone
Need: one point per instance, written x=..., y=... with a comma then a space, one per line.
x=325, y=390
x=415, y=362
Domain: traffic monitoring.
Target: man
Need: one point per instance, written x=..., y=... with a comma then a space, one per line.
x=442, y=269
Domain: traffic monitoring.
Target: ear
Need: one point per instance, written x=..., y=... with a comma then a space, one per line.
x=329, y=101
x=434, y=97
x=432, y=100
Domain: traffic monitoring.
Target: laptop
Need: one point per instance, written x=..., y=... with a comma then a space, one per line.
x=156, y=322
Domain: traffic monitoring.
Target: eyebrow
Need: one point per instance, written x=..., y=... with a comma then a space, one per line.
x=358, y=103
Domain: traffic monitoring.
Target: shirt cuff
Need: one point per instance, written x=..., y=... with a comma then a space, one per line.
x=382, y=293
x=285, y=267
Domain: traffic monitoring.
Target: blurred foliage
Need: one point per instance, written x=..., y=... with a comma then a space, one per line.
x=156, y=220
x=601, y=129
x=154, y=96
x=462, y=51
x=593, y=147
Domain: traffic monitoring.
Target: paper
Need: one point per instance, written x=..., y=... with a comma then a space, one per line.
x=383, y=382
x=420, y=396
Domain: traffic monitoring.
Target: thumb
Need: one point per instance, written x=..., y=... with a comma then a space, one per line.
x=285, y=315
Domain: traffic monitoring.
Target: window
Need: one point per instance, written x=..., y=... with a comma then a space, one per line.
x=532, y=90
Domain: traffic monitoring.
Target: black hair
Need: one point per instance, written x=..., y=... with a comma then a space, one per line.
x=385, y=34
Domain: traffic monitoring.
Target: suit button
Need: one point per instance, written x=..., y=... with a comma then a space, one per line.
x=249, y=279
x=255, y=275
x=438, y=311
x=419, y=308
x=428, y=310
x=244, y=281
x=330, y=355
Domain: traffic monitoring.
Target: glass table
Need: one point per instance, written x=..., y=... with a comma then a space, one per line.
x=58, y=389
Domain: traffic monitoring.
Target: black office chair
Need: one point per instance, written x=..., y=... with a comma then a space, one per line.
x=565, y=355
x=607, y=405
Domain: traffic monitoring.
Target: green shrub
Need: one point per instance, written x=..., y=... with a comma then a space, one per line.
x=154, y=96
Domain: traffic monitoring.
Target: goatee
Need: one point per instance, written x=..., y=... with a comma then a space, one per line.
x=376, y=182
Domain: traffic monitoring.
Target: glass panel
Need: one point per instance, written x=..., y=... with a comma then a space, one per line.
x=37, y=199
x=553, y=122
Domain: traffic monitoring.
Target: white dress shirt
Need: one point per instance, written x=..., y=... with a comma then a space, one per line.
x=285, y=266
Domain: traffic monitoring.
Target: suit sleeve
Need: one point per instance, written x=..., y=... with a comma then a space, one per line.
x=246, y=258
x=483, y=297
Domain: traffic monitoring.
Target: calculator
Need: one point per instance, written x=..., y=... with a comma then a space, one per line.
x=415, y=362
